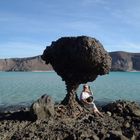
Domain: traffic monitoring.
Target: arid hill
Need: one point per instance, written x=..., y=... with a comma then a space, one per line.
x=121, y=61
x=24, y=64
x=124, y=61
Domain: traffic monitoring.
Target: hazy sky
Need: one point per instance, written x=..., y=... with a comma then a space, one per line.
x=28, y=26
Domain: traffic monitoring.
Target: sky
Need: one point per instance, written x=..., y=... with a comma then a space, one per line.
x=28, y=26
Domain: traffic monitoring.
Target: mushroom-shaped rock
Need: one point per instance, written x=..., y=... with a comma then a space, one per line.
x=77, y=60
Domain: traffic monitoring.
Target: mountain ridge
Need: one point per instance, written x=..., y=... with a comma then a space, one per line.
x=125, y=61
x=24, y=64
x=121, y=61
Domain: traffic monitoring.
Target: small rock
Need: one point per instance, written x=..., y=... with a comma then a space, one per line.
x=136, y=112
x=95, y=137
x=108, y=113
x=117, y=135
x=128, y=117
x=133, y=137
x=126, y=124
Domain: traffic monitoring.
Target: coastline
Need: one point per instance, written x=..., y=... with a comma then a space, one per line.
x=26, y=105
x=134, y=71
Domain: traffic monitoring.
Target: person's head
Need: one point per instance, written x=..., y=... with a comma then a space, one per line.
x=85, y=87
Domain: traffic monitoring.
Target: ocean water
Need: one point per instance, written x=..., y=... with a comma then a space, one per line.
x=25, y=87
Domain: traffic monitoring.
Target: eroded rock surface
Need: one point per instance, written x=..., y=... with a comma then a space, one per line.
x=87, y=126
x=124, y=108
x=78, y=59
x=43, y=108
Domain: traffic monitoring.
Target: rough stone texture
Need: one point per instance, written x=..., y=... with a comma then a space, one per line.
x=78, y=59
x=123, y=108
x=43, y=108
x=85, y=127
x=117, y=135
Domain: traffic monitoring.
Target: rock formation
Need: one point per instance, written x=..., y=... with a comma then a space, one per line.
x=123, y=108
x=77, y=60
x=119, y=124
x=43, y=108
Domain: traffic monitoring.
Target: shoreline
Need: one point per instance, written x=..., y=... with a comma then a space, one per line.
x=26, y=105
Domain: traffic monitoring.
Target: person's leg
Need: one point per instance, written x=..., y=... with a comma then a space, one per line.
x=96, y=111
x=100, y=114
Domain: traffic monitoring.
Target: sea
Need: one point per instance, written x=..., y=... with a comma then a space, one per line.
x=23, y=88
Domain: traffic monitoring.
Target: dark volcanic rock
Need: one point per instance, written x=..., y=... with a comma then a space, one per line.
x=78, y=59
x=123, y=108
x=85, y=127
x=117, y=135
x=43, y=108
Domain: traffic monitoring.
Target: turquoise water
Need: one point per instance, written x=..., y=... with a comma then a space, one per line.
x=24, y=87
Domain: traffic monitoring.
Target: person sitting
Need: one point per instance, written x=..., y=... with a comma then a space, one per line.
x=87, y=100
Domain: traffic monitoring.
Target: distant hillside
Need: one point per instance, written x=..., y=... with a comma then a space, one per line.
x=121, y=61
x=124, y=61
x=24, y=64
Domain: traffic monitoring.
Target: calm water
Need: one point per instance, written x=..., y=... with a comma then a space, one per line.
x=24, y=87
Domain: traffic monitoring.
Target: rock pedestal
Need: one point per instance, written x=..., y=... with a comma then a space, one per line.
x=77, y=60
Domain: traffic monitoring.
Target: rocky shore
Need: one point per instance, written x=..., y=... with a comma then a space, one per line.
x=121, y=121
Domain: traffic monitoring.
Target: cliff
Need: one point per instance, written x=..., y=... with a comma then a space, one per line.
x=24, y=64
x=124, y=61
x=121, y=61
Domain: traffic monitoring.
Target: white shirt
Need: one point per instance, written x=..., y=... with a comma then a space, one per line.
x=84, y=95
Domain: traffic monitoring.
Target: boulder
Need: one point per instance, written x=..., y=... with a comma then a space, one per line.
x=43, y=108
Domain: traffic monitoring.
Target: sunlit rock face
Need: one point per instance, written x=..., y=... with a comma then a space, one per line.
x=78, y=59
